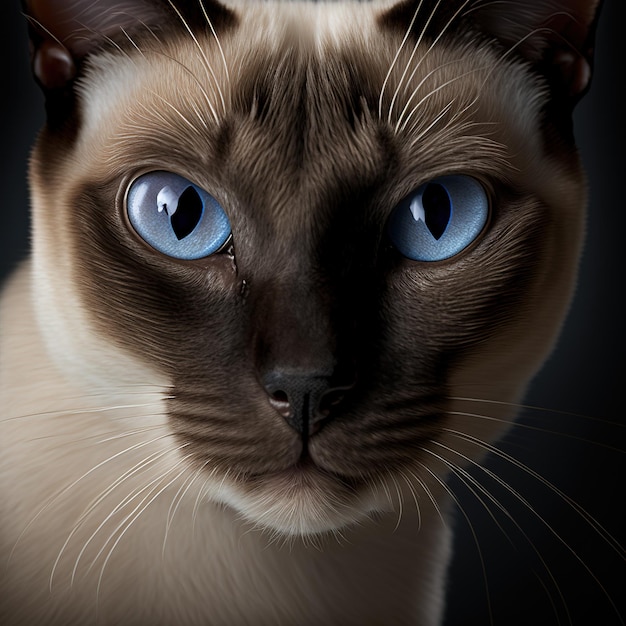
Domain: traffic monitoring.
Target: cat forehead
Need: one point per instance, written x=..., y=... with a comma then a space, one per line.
x=335, y=54
x=213, y=65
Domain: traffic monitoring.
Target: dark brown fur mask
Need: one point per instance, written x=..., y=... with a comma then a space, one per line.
x=306, y=359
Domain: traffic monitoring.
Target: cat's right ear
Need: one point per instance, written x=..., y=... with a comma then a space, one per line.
x=64, y=32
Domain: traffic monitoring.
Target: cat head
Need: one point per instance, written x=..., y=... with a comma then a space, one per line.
x=318, y=228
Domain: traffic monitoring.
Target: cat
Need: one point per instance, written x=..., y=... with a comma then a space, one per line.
x=225, y=434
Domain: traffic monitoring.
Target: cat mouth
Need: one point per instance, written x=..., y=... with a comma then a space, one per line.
x=303, y=471
x=303, y=499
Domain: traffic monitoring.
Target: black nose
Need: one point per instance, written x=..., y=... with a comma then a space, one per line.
x=303, y=399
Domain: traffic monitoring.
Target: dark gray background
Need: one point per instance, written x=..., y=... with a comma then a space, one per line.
x=585, y=376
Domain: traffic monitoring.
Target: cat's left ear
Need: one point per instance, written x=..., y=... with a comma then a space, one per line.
x=556, y=36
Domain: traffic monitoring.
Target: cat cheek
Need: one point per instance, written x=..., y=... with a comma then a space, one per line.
x=53, y=65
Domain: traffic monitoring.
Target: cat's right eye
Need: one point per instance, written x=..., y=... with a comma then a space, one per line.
x=176, y=217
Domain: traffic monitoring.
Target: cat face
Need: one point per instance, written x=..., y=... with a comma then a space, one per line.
x=313, y=356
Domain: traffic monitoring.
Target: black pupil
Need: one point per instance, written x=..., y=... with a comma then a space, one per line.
x=188, y=213
x=436, y=203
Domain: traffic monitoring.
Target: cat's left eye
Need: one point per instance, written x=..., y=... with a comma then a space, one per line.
x=439, y=219
x=176, y=217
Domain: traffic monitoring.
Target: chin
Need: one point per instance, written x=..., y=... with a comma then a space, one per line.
x=302, y=501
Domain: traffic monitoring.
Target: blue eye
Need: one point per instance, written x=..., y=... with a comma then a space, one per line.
x=176, y=217
x=439, y=219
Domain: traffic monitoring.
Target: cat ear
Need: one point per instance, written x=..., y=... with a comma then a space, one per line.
x=556, y=36
x=64, y=32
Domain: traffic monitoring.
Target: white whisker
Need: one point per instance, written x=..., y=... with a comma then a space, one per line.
x=131, y=520
x=532, y=407
x=436, y=90
x=414, y=495
x=176, y=501
x=128, y=433
x=61, y=413
x=198, y=83
x=395, y=59
x=430, y=496
x=39, y=25
x=399, y=121
x=145, y=462
x=201, y=493
x=548, y=431
x=217, y=39
x=207, y=65
x=441, y=33
x=590, y=520
x=386, y=490
x=469, y=480
x=176, y=110
x=66, y=489
x=132, y=41
x=471, y=528
x=489, y=73
x=428, y=129
x=400, y=501
x=584, y=515
x=410, y=60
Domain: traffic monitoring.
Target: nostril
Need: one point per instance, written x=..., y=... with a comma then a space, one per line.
x=280, y=401
x=279, y=396
x=329, y=401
